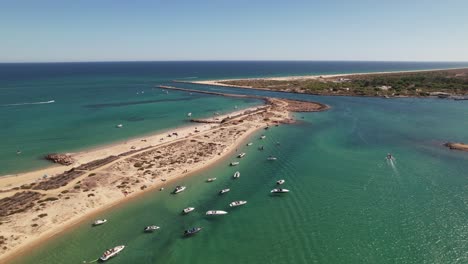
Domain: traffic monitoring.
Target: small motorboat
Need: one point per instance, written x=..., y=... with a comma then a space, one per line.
x=235, y=163
x=192, y=231
x=271, y=158
x=119, y=126
x=223, y=191
x=237, y=203
x=280, y=182
x=216, y=212
x=249, y=144
x=236, y=175
x=179, y=189
x=262, y=137
x=267, y=127
x=150, y=229
x=241, y=155
x=261, y=148
x=279, y=190
x=211, y=180
x=112, y=252
x=189, y=114
x=99, y=222
x=188, y=210
x=390, y=157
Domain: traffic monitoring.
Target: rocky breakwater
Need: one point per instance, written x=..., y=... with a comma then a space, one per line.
x=62, y=159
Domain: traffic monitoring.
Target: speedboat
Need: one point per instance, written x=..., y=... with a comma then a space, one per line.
x=179, y=189
x=211, y=180
x=241, y=155
x=280, y=182
x=236, y=175
x=151, y=228
x=390, y=157
x=99, y=222
x=249, y=144
x=188, y=210
x=271, y=158
x=215, y=212
x=279, y=190
x=189, y=114
x=112, y=252
x=237, y=203
x=235, y=163
x=119, y=126
x=223, y=191
x=192, y=231
x=262, y=137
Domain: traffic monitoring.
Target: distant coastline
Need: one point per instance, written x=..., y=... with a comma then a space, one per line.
x=288, y=83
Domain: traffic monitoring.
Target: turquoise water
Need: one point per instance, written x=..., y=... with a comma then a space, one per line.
x=90, y=99
x=347, y=204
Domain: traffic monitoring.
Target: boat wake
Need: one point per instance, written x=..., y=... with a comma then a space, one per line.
x=392, y=164
x=33, y=103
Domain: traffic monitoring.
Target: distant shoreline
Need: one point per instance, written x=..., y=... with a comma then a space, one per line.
x=223, y=82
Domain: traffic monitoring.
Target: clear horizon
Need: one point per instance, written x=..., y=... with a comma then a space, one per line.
x=119, y=31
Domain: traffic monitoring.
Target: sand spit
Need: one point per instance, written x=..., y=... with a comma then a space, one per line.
x=457, y=146
x=34, y=207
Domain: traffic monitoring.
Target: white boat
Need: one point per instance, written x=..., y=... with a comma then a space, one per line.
x=119, y=126
x=236, y=175
x=390, y=157
x=280, y=182
x=211, y=180
x=151, y=228
x=249, y=144
x=215, y=212
x=237, y=203
x=179, y=189
x=99, y=222
x=271, y=158
x=223, y=191
x=262, y=137
x=235, y=163
x=112, y=252
x=188, y=210
x=241, y=155
x=189, y=114
x=279, y=190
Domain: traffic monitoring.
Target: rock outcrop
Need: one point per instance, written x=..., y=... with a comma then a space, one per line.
x=62, y=159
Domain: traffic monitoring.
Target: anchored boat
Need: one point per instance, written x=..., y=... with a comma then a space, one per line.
x=112, y=252
x=280, y=182
x=192, y=231
x=99, y=222
x=237, y=203
x=151, y=228
x=235, y=163
x=279, y=190
x=236, y=175
x=188, y=210
x=179, y=189
x=215, y=212
x=241, y=155
x=223, y=191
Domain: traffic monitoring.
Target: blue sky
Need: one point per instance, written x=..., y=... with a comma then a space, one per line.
x=122, y=30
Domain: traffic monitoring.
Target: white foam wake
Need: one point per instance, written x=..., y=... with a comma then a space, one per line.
x=33, y=103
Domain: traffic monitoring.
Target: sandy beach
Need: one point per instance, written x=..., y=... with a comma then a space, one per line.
x=34, y=208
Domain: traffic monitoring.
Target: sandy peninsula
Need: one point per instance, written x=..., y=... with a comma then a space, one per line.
x=34, y=208
x=443, y=83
